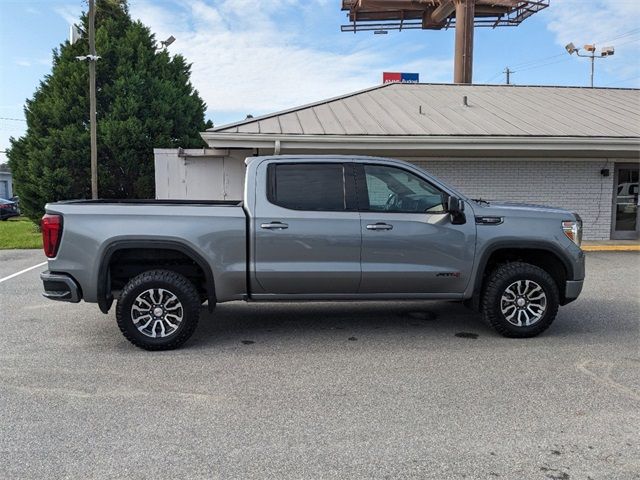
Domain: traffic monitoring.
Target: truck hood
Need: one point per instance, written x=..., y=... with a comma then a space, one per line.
x=506, y=208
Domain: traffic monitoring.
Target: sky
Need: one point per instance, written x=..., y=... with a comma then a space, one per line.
x=260, y=56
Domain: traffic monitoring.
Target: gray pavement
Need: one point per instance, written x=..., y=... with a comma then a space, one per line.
x=333, y=390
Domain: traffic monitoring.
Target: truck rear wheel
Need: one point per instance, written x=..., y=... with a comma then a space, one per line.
x=520, y=300
x=158, y=310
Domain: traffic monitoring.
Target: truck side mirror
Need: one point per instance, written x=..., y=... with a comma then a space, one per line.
x=455, y=208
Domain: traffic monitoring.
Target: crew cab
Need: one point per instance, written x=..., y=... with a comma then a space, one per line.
x=313, y=228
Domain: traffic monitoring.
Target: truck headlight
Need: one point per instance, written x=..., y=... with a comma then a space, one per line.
x=573, y=230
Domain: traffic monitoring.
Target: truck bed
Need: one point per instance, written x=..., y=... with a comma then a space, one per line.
x=213, y=230
x=123, y=201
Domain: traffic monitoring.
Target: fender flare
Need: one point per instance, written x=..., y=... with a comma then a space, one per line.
x=515, y=245
x=105, y=299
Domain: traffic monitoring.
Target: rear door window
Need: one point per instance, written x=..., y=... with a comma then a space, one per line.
x=308, y=186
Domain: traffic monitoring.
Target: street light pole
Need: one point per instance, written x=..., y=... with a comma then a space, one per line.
x=604, y=53
x=92, y=99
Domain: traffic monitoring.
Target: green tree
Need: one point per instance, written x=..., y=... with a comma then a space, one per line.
x=144, y=101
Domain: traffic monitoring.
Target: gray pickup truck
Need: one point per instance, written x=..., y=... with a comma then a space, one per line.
x=313, y=228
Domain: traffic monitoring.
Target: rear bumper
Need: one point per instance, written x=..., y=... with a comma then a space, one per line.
x=61, y=287
x=7, y=215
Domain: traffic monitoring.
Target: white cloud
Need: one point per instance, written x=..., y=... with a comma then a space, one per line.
x=593, y=21
x=24, y=62
x=70, y=12
x=603, y=22
x=244, y=61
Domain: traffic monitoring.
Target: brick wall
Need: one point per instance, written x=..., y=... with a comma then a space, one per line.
x=567, y=183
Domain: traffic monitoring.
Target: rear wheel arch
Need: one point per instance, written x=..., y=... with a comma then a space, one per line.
x=105, y=298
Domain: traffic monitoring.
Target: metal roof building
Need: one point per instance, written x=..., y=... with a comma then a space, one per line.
x=567, y=146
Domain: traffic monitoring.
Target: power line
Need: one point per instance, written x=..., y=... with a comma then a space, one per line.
x=494, y=77
x=622, y=81
x=632, y=32
x=544, y=65
x=627, y=42
x=531, y=62
x=532, y=67
x=13, y=119
x=543, y=62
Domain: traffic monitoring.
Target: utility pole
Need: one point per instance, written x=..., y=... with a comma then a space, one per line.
x=92, y=98
x=508, y=73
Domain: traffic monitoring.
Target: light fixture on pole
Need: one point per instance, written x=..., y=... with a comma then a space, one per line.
x=90, y=58
x=167, y=42
x=591, y=48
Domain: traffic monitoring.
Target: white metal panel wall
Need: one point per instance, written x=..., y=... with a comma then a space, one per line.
x=234, y=170
x=204, y=178
x=169, y=174
x=198, y=177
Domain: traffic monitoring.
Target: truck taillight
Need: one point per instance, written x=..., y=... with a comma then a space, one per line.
x=51, y=226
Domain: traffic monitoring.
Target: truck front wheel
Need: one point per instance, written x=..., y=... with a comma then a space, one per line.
x=520, y=300
x=158, y=310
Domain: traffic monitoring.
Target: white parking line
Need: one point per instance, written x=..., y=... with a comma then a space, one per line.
x=21, y=272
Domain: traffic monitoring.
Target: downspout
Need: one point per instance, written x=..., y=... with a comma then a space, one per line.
x=276, y=147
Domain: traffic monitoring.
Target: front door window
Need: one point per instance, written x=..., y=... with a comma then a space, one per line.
x=409, y=245
x=391, y=189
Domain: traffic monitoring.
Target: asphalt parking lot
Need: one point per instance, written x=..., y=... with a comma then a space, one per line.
x=323, y=390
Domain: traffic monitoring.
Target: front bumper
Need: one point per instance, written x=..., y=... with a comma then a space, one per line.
x=573, y=287
x=572, y=290
x=61, y=287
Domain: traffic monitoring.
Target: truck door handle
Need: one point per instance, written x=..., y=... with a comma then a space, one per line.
x=379, y=226
x=274, y=226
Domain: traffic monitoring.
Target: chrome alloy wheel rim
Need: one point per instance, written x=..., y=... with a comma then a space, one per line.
x=157, y=313
x=523, y=303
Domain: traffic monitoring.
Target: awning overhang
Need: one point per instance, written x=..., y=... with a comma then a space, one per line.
x=429, y=145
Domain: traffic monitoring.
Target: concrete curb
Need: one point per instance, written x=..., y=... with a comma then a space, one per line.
x=611, y=248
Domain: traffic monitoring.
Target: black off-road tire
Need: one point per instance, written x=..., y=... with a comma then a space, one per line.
x=173, y=282
x=499, y=280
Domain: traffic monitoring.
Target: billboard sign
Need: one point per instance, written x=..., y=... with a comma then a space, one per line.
x=390, y=77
